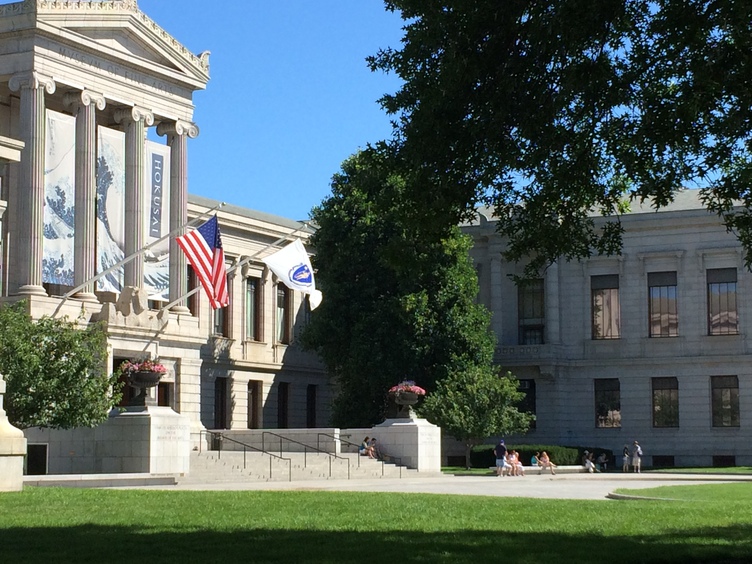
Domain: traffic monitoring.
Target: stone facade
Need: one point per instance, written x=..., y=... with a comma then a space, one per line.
x=106, y=64
x=677, y=380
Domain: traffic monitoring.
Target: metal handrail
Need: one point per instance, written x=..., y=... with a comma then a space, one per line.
x=357, y=445
x=318, y=442
x=305, y=451
x=221, y=438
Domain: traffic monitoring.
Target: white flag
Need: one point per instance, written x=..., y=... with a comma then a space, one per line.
x=293, y=267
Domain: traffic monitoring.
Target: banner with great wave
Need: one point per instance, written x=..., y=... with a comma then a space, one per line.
x=110, y=206
x=59, y=199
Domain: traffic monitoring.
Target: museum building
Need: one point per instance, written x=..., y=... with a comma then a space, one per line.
x=85, y=88
x=652, y=345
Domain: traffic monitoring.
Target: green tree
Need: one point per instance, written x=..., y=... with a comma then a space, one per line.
x=556, y=111
x=56, y=372
x=478, y=403
x=399, y=302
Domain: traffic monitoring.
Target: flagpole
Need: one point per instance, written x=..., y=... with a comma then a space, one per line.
x=241, y=263
x=141, y=251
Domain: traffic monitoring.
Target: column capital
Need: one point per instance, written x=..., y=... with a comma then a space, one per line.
x=178, y=127
x=85, y=98
x=31, y=79
x=136, y=113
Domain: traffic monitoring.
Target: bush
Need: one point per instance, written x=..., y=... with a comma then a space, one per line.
x=482, y=456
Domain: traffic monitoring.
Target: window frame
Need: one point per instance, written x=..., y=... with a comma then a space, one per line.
x=608, y=387
x=665, y=391
x=663, y=308
x=254, y=303
x=727, y=416
x=531, y=299
x=282, y=315
x=722, y=301
x=605, y=289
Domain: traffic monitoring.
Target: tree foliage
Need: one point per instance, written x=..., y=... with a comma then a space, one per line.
x=56, y=372
x=399, y=302
x=556, y=111
x=478, y=403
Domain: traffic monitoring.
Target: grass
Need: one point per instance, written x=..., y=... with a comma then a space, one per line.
x=706, y=470
x=113, y=526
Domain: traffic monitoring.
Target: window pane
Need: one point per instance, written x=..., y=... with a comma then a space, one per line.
x=722, y=314
x=665, y=402
x=662, y=307
x=725, y=401
x=253, y=309
x=283, y=330
x=605, y=304
x=530, y=312
x=607, y=402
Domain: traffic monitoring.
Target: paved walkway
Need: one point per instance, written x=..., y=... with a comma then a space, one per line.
x=562, y=486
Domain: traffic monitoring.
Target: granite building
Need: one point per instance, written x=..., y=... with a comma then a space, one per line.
x=652, y=345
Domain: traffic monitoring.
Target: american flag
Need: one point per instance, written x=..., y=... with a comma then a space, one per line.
x=203, y=247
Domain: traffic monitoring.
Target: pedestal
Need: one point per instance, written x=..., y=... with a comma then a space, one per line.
x=12, y=451
x=416, y=442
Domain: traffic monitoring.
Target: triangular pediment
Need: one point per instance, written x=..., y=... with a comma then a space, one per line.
x=126, y=36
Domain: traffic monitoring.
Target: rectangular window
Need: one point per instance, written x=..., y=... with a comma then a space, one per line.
x=530, y=312
x=254, y=404
x=253, y=309
x=607, y=402
x=725, y=399
x=222, y=322
x=192, y=283
x=283, y=313
x=722, y=314
x=662, y=304
x=527, y=403
x=605, y=306
x=665, y=402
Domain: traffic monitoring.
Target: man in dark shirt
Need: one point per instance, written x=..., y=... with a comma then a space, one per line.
x=500, y=452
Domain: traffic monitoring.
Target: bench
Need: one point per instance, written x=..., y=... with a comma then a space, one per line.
x=561, y=469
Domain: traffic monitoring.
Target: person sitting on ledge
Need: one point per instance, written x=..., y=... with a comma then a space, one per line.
x=365, y=448
x=545, y=462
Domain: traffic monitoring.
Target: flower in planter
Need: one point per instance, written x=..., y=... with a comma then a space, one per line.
x=129, y=366
x=407, y=386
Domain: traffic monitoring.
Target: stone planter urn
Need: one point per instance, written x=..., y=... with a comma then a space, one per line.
x=143, y=380
x=401, y=405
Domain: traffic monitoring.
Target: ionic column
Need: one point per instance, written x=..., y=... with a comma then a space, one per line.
x=27, y=246
x=85, y=104
x=177, y=134
x=135, y=121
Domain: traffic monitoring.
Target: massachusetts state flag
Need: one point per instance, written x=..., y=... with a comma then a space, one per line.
x=203, y=247
x=293, y=267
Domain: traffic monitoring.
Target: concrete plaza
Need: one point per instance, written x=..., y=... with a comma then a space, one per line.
x=563, y=486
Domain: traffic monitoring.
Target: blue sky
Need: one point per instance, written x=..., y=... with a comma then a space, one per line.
x=290, y=95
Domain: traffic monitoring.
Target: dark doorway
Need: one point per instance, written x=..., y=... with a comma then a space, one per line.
x=283, y=400
x=36, y=460
x=220, y=403
x=311, y=406
x=254, y=404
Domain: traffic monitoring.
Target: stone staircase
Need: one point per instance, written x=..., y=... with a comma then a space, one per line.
x=237, y=466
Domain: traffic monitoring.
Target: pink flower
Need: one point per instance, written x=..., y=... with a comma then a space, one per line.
x=407, y=386
x=144, y=366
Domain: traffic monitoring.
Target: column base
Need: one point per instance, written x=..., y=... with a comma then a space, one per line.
x=86, y=297
x=180, y=309
x=31, y=290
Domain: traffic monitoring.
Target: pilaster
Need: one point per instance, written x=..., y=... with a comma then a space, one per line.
x=177, y=133
x=85, y=104
x=135, y=120
x=28, y=242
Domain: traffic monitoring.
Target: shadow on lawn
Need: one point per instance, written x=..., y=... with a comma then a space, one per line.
x=97, y=544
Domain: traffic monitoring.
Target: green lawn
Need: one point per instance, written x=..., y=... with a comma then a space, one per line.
x=112, y=526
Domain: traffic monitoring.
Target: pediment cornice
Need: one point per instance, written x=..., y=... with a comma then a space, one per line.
x=78, y=17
